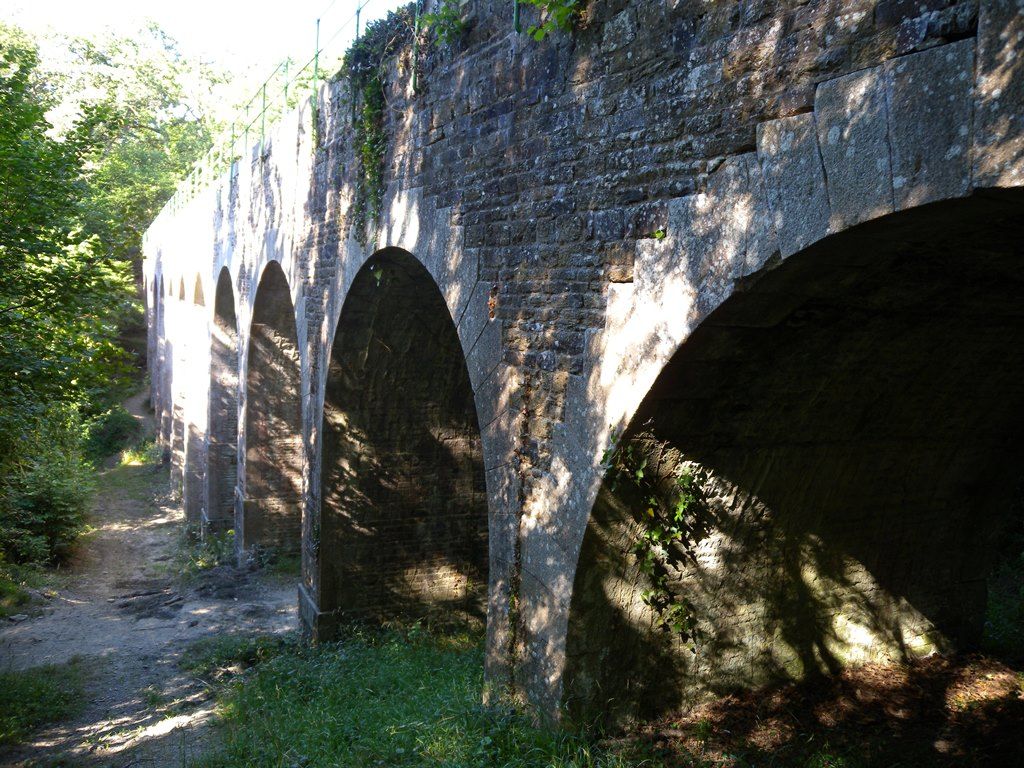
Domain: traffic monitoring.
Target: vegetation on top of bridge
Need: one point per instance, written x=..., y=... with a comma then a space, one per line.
x=290, y=83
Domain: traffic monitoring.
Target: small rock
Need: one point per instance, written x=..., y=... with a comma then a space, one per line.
x=19, y=617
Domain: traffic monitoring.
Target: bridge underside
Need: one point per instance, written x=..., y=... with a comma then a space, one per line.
x=404, y=507
x=852, y=422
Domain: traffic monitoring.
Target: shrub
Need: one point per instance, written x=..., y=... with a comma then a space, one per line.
x=109, y=432
x=44, y=509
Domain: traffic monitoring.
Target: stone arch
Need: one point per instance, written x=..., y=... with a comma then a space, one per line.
x=854, y=455
x=403, y=504
x=880, y=142
x=271, y=515
x=179, y=390
x=222, y=453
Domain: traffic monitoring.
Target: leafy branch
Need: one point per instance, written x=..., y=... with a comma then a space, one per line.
x=557, y=15
x=668, y=528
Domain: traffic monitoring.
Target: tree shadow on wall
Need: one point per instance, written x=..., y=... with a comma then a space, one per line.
x=855, y=458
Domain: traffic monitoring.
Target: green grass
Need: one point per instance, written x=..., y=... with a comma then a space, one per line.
x=143, y=453
x=37, y=696
x=213, y=654
x=17, y=580
x=195, y=555
x=395, y=698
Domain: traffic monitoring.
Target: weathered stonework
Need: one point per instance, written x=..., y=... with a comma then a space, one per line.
x=583, y=206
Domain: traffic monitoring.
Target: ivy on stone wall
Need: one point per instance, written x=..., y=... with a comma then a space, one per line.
x=365, y=64
x=667, y=511
x=557, y=16
x=445, y=24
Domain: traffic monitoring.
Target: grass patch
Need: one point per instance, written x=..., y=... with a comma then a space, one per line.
x=37, y=696
x=143, y=453
x=19, y=582
x=284, y=566
x=212, y=656
x=392, y=698
x=196, y=554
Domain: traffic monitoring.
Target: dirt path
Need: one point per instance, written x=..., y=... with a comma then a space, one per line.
x=129, y=617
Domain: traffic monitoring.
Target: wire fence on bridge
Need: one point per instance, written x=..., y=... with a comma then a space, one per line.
x=291, y=81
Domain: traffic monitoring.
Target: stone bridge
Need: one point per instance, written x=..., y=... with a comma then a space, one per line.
x=763, y=258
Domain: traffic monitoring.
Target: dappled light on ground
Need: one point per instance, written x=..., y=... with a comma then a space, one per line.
x=128, y=617
x=938, y=711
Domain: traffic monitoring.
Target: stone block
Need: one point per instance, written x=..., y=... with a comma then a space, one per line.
x=486, y=353
x=999, y=95
x=852, y=121
x=929, y=100
x=794, y=180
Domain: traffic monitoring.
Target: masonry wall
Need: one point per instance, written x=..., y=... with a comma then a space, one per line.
x=404, y=507
x=222, y=437
x=854, y=461
x=582, y=205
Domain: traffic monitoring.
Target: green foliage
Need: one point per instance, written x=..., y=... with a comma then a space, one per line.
x=668, y=525
x=445, y=24
x=557, y=15
x=197, y=554
x=110, y=432
x=91, y=145
x=145, y=113
x=394, y=698
x=365, y=66
x=45, y=493
x=38, y=696
x=143, y=453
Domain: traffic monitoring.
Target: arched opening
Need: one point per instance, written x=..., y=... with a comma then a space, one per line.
x=181, y=289
x=820, y=475
x=222, y=472
x=272, y=511
x=404, y=508
x=197, y=294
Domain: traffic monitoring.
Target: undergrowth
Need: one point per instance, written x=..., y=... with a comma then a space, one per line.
x=34, y=697
x=387, y=698
x=1004, y=614
x=212, y=656
x=196, y=554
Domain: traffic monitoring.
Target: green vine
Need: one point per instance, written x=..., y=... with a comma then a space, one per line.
x=557, y=15
x=446, y=23
x=365, y=64
x=669, y=526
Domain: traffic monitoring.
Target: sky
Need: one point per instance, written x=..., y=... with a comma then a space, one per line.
x=239, y=36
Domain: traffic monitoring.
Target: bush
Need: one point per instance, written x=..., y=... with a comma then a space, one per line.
x=44, y=508
x=109, y=432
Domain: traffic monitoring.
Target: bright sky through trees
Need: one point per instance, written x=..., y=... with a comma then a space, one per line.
x=234, y=35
